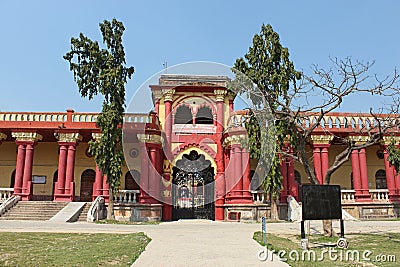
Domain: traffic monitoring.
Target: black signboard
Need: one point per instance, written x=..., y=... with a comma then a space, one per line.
x=321, y=202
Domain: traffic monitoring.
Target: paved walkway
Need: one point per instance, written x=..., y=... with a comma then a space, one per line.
x=198, y=242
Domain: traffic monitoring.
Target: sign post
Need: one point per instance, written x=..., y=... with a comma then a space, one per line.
x=322, y=202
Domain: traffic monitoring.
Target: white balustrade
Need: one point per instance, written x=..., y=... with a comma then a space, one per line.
x=126, y=196
x=379, y=195
x=5, y=193
x=259, y=197
x=348, y=196
x=33, y=116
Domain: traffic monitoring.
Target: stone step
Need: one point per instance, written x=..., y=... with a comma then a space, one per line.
x=83, y=216
x=33, y=210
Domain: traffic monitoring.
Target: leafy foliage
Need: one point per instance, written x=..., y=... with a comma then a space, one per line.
x=103, y=71
x=267, y=64
x=394, y=155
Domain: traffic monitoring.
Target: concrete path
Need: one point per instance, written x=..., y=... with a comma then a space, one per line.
x=199, y=242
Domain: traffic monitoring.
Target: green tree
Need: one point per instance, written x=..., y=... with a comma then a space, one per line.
x=103, y=71
x=293, y=97
x=267, y=64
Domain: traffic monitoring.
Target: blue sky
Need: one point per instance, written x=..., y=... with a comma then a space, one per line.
x=36, y=34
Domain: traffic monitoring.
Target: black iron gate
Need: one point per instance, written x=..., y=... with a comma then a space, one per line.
x=193, y=188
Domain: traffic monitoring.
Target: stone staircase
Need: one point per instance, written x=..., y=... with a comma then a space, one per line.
x=82, y=217
x=33, y=210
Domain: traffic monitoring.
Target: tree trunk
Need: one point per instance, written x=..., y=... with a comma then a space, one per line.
x=328, y=229
x=274, y=210
x=110, y=208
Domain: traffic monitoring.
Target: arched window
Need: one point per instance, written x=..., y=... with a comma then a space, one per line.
x=380, y=179
x=204, y=116
x=183, y=115
x=131, y=180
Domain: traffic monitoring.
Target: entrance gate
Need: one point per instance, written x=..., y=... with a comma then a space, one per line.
x=193, y=188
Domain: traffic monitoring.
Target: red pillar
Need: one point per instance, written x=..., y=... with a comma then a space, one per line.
x=154, y=177
x=27, y=177
x=69, y=173
x=106, y=188
x=19, y=169
x=364, y=176
x=247, y=198
x=144, y=176
x=284, y=171
x=292, y=186
x=324, y=162
x=62, y=163
x=220, y=175
x=237, y=170
x=355, y=164
x=168, y=120
x=98, y=184
x=317, y=164
x=390, y=180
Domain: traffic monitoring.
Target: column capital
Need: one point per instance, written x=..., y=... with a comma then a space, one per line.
x=2, y=137
x=220, y=95
x=150, y=138
x=26, y=136
x=97, y=136
x=321, y=139
x=386, y=140
x=156, y=95
x=69, y=137
x=240, y=139
x=168, y=94
x=358, y=139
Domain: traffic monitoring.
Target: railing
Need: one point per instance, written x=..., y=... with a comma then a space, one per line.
x=348, y=196
x=5, y=193
x=33, y=116
x=259, y=197
x=194, y=128
x=97, y=210
x=379, y=195
x=126, y=196
x=334, y=120
x=9, y=203
x=84, y=117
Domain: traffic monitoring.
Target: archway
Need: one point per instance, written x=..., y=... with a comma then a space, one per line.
x=193, y=188
x=87, y=180
x=130, y=180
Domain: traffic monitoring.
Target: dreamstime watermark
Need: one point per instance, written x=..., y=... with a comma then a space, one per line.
x=331, y=254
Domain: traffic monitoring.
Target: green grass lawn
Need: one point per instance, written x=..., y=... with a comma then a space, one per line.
x=384, y=250
x=69, y=249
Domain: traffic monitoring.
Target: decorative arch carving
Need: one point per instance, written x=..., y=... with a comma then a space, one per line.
x=206, y=148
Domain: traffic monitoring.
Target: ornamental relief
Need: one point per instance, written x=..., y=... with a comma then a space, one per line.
x=27, y=136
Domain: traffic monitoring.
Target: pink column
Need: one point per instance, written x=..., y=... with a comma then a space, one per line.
x=284, y=171
x=168, y=120
x=390, y=180
x=318, y=165
x=237, y=170
x=355, y=164
x=62, y=163
x=292, y=186
x=69, y=172
x=98, y=184
x=144, y=176
x=228, y=170
x=19, y=168
x=364, y=175
x=247, y=198
x=27, y=178
x=154, y=182
x=324, y=162
x=220, y=175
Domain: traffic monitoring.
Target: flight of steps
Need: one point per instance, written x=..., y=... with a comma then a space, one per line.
x=82, y=217
x=33, y=210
